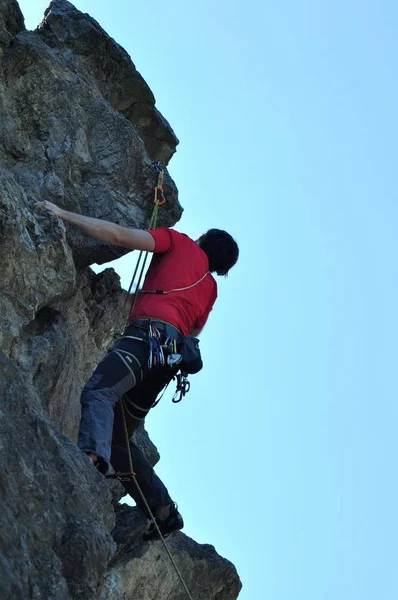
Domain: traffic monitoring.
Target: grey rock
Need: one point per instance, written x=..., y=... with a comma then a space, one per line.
x=110, y=69
x=63, y=140
x=204, y=572
x=78, y=126
x=55, y=511
x=11, y=22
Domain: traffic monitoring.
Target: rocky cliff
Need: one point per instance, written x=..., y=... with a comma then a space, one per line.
x=79, y=126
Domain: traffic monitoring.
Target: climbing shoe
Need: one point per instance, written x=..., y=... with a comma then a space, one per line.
x=174, y=522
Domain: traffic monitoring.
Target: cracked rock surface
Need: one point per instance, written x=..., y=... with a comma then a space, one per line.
x=78, y=126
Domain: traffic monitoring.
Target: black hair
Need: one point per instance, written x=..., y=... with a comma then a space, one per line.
x=221, y=249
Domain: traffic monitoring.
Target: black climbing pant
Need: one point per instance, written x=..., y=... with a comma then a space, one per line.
x=124, y=372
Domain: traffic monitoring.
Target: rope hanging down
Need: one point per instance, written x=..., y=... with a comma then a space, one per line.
x=133, y=476
x=159, y=200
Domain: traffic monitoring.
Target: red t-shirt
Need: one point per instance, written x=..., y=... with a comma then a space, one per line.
x=177, y=262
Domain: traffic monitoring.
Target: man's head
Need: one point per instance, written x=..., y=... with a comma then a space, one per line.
x=221, y=249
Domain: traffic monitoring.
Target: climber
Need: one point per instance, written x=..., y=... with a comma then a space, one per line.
x=136, y=366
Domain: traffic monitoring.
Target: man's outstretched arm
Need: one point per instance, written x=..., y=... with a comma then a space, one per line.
x=111, y=233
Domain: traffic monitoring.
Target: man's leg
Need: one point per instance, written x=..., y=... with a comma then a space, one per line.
x=137, y=404
x=140, y=400
x=122, y=368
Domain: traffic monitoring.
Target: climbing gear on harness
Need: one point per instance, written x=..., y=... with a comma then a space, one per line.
x=187, y=355
x=158, y=349
x=183, y=351
x=173, y=360
x=156, y=354
x=164, y=350
x=183, y=387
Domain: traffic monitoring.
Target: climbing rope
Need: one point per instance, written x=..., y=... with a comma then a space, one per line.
x=159, y=200
x=133, y=476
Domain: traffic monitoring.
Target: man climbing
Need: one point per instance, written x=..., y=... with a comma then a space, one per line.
x=140, y=363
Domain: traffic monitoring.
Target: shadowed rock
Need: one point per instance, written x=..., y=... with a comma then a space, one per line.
x=11, y=22
x=55, y=511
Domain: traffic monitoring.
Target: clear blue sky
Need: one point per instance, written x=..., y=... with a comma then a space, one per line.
x=284, y=453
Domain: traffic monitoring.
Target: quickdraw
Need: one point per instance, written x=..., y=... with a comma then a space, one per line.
x=158, y=199
x=183, y=387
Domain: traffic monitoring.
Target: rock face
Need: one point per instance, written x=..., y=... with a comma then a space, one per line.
x=79, y=126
